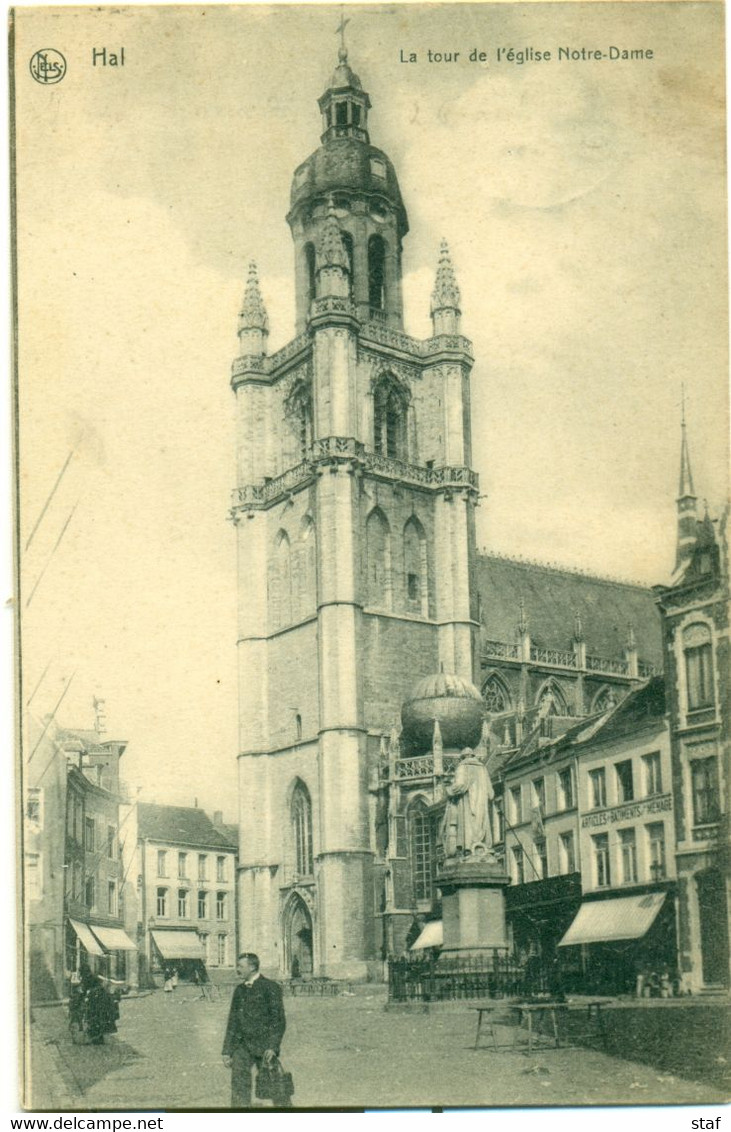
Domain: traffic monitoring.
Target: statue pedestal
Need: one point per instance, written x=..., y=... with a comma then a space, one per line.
x=473, y=907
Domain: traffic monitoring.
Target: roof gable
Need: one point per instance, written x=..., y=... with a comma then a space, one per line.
x=181, y=825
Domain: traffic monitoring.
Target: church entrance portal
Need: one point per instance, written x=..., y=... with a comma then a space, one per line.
x=298, y=938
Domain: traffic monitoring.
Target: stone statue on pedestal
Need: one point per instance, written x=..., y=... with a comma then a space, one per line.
x=465, y=828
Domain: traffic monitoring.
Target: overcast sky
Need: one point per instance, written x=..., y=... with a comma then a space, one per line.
x=584, y=205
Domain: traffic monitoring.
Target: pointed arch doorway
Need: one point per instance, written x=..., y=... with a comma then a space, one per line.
x=298, y=938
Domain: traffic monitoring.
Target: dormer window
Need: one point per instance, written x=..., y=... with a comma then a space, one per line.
x=378, y=167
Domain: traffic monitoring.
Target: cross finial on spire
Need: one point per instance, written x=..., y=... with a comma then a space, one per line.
x=340, y=30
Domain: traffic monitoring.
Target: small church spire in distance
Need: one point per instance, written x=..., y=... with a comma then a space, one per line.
x=685, y=490
x=686, y=502
x=445, y=299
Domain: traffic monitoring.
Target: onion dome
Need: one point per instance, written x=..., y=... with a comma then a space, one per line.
x=443, y=698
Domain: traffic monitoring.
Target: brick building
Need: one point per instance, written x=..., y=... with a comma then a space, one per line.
x=186, y=880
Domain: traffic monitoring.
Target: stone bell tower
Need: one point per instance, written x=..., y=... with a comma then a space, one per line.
x=354, y=511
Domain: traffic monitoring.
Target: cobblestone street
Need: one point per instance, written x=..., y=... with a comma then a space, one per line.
x=344, y=1052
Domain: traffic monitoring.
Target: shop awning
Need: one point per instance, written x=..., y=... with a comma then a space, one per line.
x=432, y=935
x=114, y=939
x=178, y=945
x=86, y=938
x=602, y=921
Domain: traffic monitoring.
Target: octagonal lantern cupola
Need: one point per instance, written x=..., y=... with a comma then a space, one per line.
x=359, y=182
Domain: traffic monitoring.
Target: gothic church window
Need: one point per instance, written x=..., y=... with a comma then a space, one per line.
x=377, y=273
x=378, y=560
x=415, y=568
x=310, y=267
x=495, y=695
x=280, y=582
x=421, y=841
x=389, y=420
x=302, y=830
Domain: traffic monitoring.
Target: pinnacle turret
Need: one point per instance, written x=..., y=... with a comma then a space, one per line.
x=445, y=300
x=332, y=263
x=253, y=320
x=686, y=503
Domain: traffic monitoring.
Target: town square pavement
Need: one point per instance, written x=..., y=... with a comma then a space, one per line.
x=344, y=1051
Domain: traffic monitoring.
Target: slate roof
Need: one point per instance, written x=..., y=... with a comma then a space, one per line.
x=643, y=706
x=181, y=825
x=552, y=596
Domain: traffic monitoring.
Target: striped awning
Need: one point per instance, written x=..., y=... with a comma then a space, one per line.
x=86, y=938
x=602, y=921
x=179, y=945
x=114, y=939
x=432, y=935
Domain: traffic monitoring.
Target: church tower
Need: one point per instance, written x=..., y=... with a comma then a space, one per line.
x=354, y=511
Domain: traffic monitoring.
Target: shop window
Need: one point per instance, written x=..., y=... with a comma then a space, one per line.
x=706, y=798
x=602, y=876
x=628, y=850
x=652, y=773
x=656, y=850
x=597, y=788
x=625, y=785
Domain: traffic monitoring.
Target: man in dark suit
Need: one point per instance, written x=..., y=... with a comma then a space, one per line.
x=255, y=1028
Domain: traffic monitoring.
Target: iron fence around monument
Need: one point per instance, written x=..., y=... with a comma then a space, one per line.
x=494, y=974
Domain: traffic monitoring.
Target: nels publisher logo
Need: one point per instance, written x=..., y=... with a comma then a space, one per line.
x=48, y=66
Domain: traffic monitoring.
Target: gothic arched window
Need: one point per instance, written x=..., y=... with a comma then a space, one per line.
x=378, y=560
x=348, y=244
x=310, y=268
x=604, y=700
x=302, y=830
x=377, y=273
x=415, y=568
x=280, y=582
x=390, y=407
x=495, y=694
x=421, y=848
x=551, y=701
